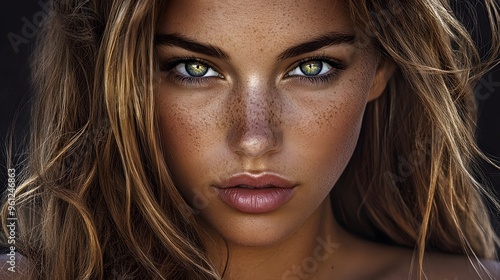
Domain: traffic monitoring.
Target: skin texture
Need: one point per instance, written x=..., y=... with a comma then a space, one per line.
x=255, y=117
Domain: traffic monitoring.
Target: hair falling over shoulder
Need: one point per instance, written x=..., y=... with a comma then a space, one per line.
x=416, y=164
x=97, y=200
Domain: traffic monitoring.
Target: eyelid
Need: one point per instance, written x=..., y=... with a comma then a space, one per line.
x=318, y=80
x=181, y=69
x=172, y=63
x=334, y=63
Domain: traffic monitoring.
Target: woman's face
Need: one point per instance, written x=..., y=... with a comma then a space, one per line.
x=260, y=105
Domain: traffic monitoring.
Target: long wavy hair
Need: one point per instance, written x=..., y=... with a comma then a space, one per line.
x=97, y=200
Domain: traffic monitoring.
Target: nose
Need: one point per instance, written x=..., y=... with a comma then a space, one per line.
x=255, y=130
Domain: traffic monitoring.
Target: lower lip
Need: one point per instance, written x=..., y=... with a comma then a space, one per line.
x=256, y=201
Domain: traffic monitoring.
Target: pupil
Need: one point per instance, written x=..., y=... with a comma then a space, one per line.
x=196, y=69
x=311, y=68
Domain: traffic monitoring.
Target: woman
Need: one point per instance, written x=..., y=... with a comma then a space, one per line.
x=255, y=140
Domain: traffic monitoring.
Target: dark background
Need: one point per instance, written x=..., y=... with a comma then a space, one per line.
x=19, y=23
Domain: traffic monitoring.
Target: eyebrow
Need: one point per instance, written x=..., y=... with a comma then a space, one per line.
x=317, y=43
x=178, y=40
x=330, y=39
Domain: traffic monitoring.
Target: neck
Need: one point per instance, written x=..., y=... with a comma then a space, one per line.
x=307, y=252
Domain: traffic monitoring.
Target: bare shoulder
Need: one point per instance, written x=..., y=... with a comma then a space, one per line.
x=446, y=266
x=440, y=266
x=13, y=266
x=493, y=267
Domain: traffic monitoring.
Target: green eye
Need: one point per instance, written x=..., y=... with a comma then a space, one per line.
x=311, y=68
x=196, y=69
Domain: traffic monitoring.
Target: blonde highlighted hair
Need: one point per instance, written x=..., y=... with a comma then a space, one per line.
x=97, y=200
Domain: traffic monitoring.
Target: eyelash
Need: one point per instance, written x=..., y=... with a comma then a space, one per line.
x=336, y=65
x=169, y=65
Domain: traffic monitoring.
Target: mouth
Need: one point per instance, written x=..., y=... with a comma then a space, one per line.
x=256, y=181
x=256, y=194
x=254, y=187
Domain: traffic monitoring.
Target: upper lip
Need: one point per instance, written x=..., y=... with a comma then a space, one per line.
x=261, y=180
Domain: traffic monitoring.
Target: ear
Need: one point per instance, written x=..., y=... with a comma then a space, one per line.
x=385, y=70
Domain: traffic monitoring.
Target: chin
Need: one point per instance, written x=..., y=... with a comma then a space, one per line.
x=255, y=236
x=254, y=230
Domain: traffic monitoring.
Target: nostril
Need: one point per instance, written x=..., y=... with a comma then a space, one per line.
x=256, y=144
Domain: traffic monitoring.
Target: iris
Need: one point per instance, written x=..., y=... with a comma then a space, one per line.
x=311, y=68
x=196, y=69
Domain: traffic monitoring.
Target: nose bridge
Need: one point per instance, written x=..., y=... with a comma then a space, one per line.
x=256, y=130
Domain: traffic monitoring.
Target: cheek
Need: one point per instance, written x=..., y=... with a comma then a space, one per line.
x=183, y=135
x=186, y=122
x=338, y=141
x=174, y=126
x=325, y=133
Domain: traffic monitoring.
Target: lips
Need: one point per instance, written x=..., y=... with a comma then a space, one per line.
x=261, y=193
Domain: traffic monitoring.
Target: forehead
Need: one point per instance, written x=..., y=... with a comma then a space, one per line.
x=235, y=20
